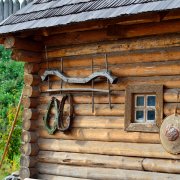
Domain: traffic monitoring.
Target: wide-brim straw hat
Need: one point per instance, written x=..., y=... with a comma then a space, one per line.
x=170, y=134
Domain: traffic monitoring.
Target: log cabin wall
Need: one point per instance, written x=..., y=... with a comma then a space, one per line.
x=98, y=147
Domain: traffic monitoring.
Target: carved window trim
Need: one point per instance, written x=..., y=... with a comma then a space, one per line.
x=131, y=91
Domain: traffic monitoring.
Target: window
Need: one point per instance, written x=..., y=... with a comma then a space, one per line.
x=143, y=111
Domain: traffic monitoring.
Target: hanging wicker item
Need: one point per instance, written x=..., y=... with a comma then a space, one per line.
x=53, y=103
x=170, y=134
x=64, y=124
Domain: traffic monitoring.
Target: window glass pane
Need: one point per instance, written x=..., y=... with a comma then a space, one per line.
x=139, y=100
x=151, y=115
x=139, y=115
x=151, y=100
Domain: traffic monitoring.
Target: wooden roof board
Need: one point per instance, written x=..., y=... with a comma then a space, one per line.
x=50, y=13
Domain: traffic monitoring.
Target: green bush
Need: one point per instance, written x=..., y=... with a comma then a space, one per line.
x=11, y=80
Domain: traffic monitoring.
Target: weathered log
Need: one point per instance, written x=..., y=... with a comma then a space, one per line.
x=29, y=149
x=154, y=165
x=86, y=109
x=28, y=161
x=83, y=37
x=107, y=122
x=160, y=165
x=30, y=114
x=31, y=68
x=29, y=125
x=118, y=46
x=144, y=29
x=106, y=148
x=31, y=91
x=26, y=56
x=170, y=95
x=31, y=80
x=52, y=177
x=170, y=108
x=30, y=102
x=91, y=160
x=23, y=44
x=114, y=135
x=118, y=70
x=116, y=97
x=29, y=137
x=113, y=32
x=101, y=173
x=28, y=172
x=104, y=110
x=163, y=54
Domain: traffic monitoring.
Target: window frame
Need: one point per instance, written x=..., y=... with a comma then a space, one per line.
x=131, y=91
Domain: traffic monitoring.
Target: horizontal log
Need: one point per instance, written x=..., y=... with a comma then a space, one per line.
x=125, y=70
x=31, y=91
x=23, y=44
x=106, y=148
x=114, y=135
x=154, y=165
x=160, y=165
x=83, y=37
x=170, y=95
x=157, y=28
x=104, y=109
x=28, y=172
x=26, y=56
x=29, y=136
x=52, y=177
x=112, y=33
x=28, y=161
x=170, y=108
x=30, y=102
x=117, y=46
x=159, y=55
x=29, y=125
x=168, y=82
x=86, y=109
x=107, y=122
x=29, y=149
x=30, y=114
x=101, y=173
x=116, y=97
x=91, y=160
x=31, y=80
x=31, y=68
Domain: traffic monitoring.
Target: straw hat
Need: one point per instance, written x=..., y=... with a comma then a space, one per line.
x=170, y=134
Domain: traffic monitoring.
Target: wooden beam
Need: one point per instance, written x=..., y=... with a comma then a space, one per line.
x=147, y=29
x=12, y=42
x=106, y=148
x=26, y=56
x=117, y=46
x=101, y=173
x=111, y=135
x=90, y=160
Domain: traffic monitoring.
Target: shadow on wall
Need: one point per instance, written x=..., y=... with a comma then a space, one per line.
x=8, y=7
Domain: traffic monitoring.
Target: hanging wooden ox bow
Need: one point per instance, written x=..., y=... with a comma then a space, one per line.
x=59, y=123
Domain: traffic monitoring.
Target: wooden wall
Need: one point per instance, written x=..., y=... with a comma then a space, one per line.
x=97, y=147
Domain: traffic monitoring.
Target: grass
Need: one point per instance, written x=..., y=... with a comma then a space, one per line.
x=9, y=167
